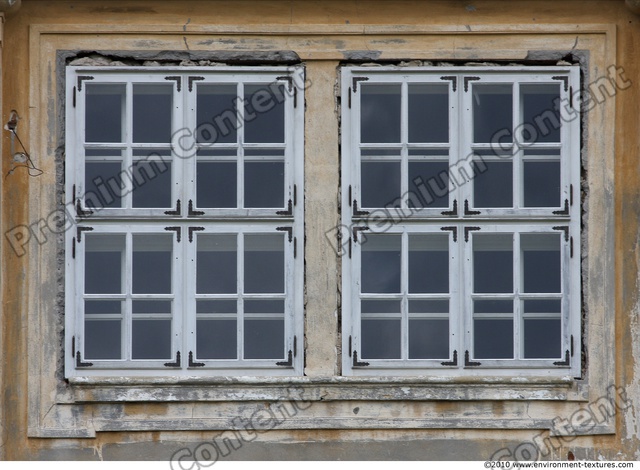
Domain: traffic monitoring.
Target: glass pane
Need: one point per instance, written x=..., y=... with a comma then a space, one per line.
x=104, y=113
x=216, y=338
x=152, y=183
x=152, y=255
x=429, y=306
x=264, y=113
x=264, y=338
x=541, y=261
x=264, y=184
x=217, y=306
x=152, y=108
x=379, y=113
x=542, y=338
x=216, y=184
x=428, y=338
x=380, y=338
x=102, y=307
x=494, y=186
x=541, y=119
x=151, y=306
x=151, y=339
x=216, y=114
x=379, y=306
x=428, y=113
x=380, y=266
x=102, y=339
x=493, y=306
x=264, y=263
x=264, y=306
x=430, y=181
x=493, y=263
x=492, y=112
x=380, y=183
x=493, y=338
x=543, y=306
x=541, y=184
x=103, y=262
x=216, y=264
x=103, y=183
x=428, y=264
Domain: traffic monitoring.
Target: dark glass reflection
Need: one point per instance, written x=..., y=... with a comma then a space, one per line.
x=380, y=266
x=216, y=264
x=151, y=339
x=493, y=338
x=380, y=338
x=492, y=112
x=380, y=183
x=152, y=110
x=428, y=338
x=428, y=113
x=104, y=112
x=380, y=113
x=102, y=339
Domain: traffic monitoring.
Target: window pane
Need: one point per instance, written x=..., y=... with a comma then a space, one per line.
x=492, y=112
x=493, y=306
x=217, y=184
x=151, y=306
x=104, y=258
x=264, y=113
x=494, y=186
x=428, y=113
x=380, y=267
x=428, y=338
x=379, y=113
x=541, y=184
x=428, y=264
x=541, y=118
x=104, y=113
x=217, y=306
x=542, y=264
x=493, y=338
x=493, y=263
x=216, y=264
x=429, y=306
x=152, y=181
x=542, y=338
x=264, y=306
x=151, y=339
x=430, y=181
x=264, y=263
x=379, y=306
x=152, y=263
x=216, y=338
x=152, y=108
x=543, y=306
x=380, y=183
x=264, y=184
x=103, y=183
x=264, y=338
x=102, y=307
x=216, y=114
x=380, y=338
x=102, y=339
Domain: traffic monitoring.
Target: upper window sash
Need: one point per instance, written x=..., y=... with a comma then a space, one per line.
x=151, y=143
x=422, y=141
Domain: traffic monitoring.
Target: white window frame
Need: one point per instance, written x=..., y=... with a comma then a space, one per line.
x=185, y=221
x=461, y=219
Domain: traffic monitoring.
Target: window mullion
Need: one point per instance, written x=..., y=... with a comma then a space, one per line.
x=463, y=140
x=518, y=152
x=404, y=138
x=465, y=286
x=240, y=289
x=127, y=276
x=127, y=123
x=404, y=289
x=240, y=148
x=517, y=286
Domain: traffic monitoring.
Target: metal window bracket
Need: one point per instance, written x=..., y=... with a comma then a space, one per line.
x=356, y=80
x=177, y=210
x=469, y=363
x=467, y=211
x=452, y=363
x=80, y=363
x=191, y=212
x=467, y=230
x=289, y=230
x=177, y=79
x=453, y=211
x=175, y=363
x=357, y=212
x=288, y=362
x=176, y=229
x=193, y=364
x=82, y=78
x=453, y=229
x=79, y=231
x=453, y=79
x=193, y=79
x=564, y=211
x=289, y=211
x=567, y=360
x=194, y=229
x=356, y=362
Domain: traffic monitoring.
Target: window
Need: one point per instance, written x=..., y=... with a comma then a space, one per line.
x=461, y=199
x=185, y=258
